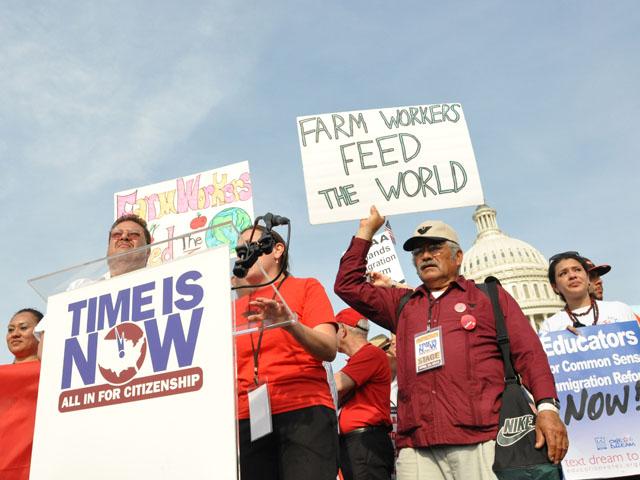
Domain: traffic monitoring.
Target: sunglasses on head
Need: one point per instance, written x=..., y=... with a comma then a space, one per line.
x=569, y=254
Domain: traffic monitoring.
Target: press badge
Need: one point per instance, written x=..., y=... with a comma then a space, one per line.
x=429, y=352
x=259, y=412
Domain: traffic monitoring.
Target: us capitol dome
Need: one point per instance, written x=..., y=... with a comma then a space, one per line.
x=521, y=269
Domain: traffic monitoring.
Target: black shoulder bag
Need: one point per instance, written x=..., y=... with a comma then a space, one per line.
x=516, y=456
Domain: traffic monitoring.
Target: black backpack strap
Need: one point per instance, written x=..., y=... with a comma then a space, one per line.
x=403, y=301
x=490, y=288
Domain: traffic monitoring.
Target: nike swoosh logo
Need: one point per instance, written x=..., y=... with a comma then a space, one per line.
x=506, y=441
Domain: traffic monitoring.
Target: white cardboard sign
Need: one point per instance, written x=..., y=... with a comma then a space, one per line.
x=137, y=377
x=382, y=256
x=405, y=159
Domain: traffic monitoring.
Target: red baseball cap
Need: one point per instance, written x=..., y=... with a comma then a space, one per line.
x=349, y=317
x=599, y=269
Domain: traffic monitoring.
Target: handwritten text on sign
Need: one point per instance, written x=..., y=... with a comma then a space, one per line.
x=189, y=204
x=406, y=159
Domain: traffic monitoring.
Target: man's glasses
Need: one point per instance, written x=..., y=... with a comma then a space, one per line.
x=569, y=254
x=433, y=248
x=118, y=234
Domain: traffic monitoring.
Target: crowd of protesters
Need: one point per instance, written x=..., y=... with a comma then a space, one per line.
x=448, y=391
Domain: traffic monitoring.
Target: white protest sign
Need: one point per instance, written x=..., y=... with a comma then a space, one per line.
x=185, y=204
x=137, y=377
x=382, y=256
x=406, y=159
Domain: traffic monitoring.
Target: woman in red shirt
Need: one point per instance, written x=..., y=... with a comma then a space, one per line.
x=303, y=443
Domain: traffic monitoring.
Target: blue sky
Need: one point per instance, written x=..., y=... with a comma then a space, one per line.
x=99, y=97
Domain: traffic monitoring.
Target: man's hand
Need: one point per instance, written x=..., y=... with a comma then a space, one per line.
x=550, y=429
x=369, y=226
x=378, y=279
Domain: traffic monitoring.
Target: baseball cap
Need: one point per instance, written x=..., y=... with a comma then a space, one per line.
x=434, y=230
x=599, y=269
x=349, y=317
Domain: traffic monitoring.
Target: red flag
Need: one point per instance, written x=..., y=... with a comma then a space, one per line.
x=18, y=396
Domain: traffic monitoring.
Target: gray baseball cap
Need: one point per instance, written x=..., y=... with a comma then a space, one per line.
x=431, y=230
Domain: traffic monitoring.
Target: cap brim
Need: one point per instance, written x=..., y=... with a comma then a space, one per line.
x=600, y=269
x=415, y=242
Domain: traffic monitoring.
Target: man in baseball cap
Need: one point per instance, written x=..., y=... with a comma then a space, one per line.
x=364, y=386
x=450, y=372
x=596, y=287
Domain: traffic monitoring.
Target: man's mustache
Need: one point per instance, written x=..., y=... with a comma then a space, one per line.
x=427, y=263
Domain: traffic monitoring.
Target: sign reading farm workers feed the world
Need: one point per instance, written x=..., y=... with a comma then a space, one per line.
x=189, y=204
x=407, y=159
x=597, y=376
x=137, y=376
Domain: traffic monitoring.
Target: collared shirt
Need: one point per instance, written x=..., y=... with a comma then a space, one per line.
x=458, y=403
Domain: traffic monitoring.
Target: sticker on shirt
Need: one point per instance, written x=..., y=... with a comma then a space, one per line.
x=460, y=307
x=429, y=352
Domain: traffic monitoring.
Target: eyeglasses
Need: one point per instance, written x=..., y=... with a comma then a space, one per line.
x=433, y=248
x=559, y=256
x=118, y=234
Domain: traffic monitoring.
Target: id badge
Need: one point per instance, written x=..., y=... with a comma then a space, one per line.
x=429, y=351
x=259, y=412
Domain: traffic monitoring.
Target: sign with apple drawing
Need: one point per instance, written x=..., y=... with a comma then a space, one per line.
x=191, y=203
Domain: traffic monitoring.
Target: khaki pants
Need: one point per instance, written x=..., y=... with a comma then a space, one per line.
x=458, y=462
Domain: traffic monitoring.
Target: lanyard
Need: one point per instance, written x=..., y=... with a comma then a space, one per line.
x=254, y=350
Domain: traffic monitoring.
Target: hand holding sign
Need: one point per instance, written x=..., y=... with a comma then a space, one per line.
x=370, y=225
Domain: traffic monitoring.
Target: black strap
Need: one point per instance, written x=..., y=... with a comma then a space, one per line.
x=403, y=301
x=490, y=288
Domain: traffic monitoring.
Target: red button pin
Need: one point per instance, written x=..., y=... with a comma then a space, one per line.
x=468, y=322
x=460, y=307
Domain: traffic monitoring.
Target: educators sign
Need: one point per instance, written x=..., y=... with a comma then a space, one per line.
x=406, y=159
x=137, y=376
x=597, y=376
x=189, y=204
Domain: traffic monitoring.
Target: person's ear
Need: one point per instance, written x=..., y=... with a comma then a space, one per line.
x=278, y=251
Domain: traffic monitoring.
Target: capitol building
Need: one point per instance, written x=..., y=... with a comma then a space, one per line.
x=521, y=269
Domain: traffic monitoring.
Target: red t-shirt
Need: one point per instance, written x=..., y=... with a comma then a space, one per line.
x=295, y=379
x=369, y=406
x=18, y=397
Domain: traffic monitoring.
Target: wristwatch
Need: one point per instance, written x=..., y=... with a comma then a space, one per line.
x=548, y=404
x=552, y=401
